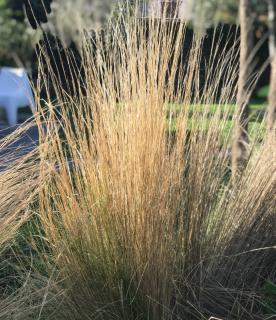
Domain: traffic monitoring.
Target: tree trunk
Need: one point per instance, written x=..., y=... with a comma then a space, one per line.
x=271, y=112
x=240, y=141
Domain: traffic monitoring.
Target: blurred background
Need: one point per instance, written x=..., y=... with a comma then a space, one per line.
x=70, y=17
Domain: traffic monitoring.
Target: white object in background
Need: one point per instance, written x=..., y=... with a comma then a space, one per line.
x=15, y=92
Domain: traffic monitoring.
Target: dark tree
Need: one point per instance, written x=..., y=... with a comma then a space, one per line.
x=37, y=11
x=60, y=63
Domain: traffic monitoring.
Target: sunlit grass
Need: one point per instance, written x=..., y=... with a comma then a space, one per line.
x=138, y=218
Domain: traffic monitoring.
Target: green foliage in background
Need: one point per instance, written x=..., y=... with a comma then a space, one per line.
x=207, y=13
x=16, y=45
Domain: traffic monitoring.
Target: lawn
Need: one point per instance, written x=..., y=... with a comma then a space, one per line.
x=204, y=115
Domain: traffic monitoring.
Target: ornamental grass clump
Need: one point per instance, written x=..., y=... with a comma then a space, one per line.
x=137, y=211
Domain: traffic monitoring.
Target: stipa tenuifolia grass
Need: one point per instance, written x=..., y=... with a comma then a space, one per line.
x=136, y=205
